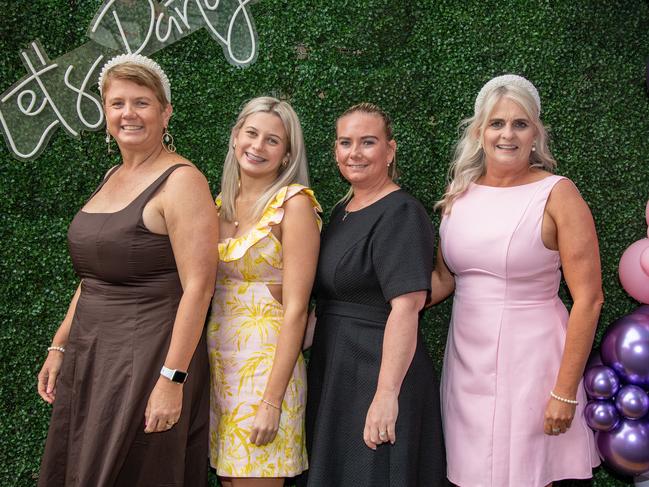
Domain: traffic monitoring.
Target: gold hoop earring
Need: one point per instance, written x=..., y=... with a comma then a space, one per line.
x=168, y=141
x=108, y=147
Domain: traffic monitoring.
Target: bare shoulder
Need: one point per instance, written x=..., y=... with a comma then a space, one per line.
x=564, y=192
x=186, y=177
x=300, y=203
x=566, y=203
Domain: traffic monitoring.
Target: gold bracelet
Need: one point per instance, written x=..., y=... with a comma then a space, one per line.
x=57, y=348
x=563, y=399
x=271, y=404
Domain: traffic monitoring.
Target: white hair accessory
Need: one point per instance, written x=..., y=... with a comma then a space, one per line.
x=504, y=80
x=142, y=61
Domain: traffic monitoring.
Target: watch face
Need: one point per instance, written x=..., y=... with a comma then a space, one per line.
x=179, y=376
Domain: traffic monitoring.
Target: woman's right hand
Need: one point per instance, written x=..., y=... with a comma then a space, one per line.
x=48, y=375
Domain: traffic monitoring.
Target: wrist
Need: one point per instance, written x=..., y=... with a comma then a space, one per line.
x=277, y=406
x=56, y=348
x=386, y=391
x=175, y=376
x=568, y=400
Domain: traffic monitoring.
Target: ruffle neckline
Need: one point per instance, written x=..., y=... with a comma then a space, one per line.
x=235, y=248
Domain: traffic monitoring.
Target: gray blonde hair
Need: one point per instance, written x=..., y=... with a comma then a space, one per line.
x=296, y=171
x=469, y=159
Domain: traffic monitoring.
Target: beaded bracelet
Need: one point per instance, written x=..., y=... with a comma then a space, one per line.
x=57, y=348
x=563, y=399
x=271, y=404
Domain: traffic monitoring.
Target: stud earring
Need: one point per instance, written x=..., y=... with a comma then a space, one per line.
x=533, y=148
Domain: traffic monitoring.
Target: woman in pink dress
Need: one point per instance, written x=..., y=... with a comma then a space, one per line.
x=512, y=398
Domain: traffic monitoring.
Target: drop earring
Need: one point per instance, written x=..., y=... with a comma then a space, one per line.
x=168, y=141
x=108, y=147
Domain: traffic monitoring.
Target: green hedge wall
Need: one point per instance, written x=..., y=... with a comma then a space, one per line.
x=423, y=61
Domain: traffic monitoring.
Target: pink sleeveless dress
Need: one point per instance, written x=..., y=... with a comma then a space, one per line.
x=505, y=344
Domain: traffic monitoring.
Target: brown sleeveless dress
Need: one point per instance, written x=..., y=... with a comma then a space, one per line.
x=118, y=341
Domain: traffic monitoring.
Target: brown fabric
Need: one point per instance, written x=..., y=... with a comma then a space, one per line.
x=118, y=341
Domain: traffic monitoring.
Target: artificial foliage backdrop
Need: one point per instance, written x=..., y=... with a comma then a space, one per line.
x=423, y=61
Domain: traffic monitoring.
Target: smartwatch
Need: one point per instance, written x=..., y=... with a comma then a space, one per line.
x=173, y=375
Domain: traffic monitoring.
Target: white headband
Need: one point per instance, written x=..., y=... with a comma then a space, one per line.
x=504, y=80
x=142, y=61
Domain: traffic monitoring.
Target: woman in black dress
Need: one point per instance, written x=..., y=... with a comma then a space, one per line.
x=373, y=403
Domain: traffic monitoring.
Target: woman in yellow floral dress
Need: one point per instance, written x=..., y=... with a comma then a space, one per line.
x=268, y=258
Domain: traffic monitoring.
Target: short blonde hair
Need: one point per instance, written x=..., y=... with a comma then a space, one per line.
x=296, y=171
x=138, y=74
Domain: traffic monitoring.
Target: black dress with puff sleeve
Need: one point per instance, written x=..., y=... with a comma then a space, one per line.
x=367, y=258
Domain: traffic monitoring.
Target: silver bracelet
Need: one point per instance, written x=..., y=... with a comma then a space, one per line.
x=563, y=399
x=57, y=348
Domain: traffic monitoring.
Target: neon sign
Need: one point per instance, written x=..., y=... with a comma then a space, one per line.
x=56, y=93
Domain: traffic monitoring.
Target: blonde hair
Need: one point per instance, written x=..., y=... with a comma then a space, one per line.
x=296, y=170
x=372, y=109
x=469, y=159
x=138, y=74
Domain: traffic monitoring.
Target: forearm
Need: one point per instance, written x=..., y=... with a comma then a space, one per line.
x=399, y=344
x=579, y=339
x=442, y=285
x=188, y=326
x=289, y=345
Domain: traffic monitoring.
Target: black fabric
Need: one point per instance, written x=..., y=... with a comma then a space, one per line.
x=373, y=255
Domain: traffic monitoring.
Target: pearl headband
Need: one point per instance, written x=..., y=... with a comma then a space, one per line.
x=505, y=80
x=142, y=61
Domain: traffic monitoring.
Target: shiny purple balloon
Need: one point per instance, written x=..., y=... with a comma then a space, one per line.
x=632, y=402
x=601, y=415
x=626, y=448
x=601, y=382
x=625, y=348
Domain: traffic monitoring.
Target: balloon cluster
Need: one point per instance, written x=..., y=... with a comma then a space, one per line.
x=617, y=378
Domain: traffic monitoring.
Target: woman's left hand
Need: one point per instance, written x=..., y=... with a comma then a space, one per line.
x=265, y=425
x=558, y=417
x=164, y=406
x=381, y=419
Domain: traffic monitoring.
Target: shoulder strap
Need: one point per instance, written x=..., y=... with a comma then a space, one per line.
x=110, y=172
x=146, y=195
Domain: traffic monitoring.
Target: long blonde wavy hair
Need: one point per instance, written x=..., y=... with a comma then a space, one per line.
x=296, y=171
x=469, y=159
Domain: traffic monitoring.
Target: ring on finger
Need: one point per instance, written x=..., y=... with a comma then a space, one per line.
x=556, y=431
x=383, y=434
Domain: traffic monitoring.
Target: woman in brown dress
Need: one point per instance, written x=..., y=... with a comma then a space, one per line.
x=145, y=248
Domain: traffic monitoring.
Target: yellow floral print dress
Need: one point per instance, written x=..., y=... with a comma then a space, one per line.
x=242, y=336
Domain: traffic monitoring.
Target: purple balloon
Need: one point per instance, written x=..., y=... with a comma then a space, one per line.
x=601, y=382
x=626, y=448
x=642, y=311
x=632, y=402
x=625, y=348
x=601, y=415
x=595, y=358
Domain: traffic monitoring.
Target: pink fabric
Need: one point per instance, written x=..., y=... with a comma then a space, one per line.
x=505, y=344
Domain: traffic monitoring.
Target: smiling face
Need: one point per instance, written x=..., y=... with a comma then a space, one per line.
x=363, y=150
x=508, y=135
x=261, y=145
x=134, y=116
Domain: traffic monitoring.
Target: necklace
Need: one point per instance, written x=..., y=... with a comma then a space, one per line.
x=372, y=199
